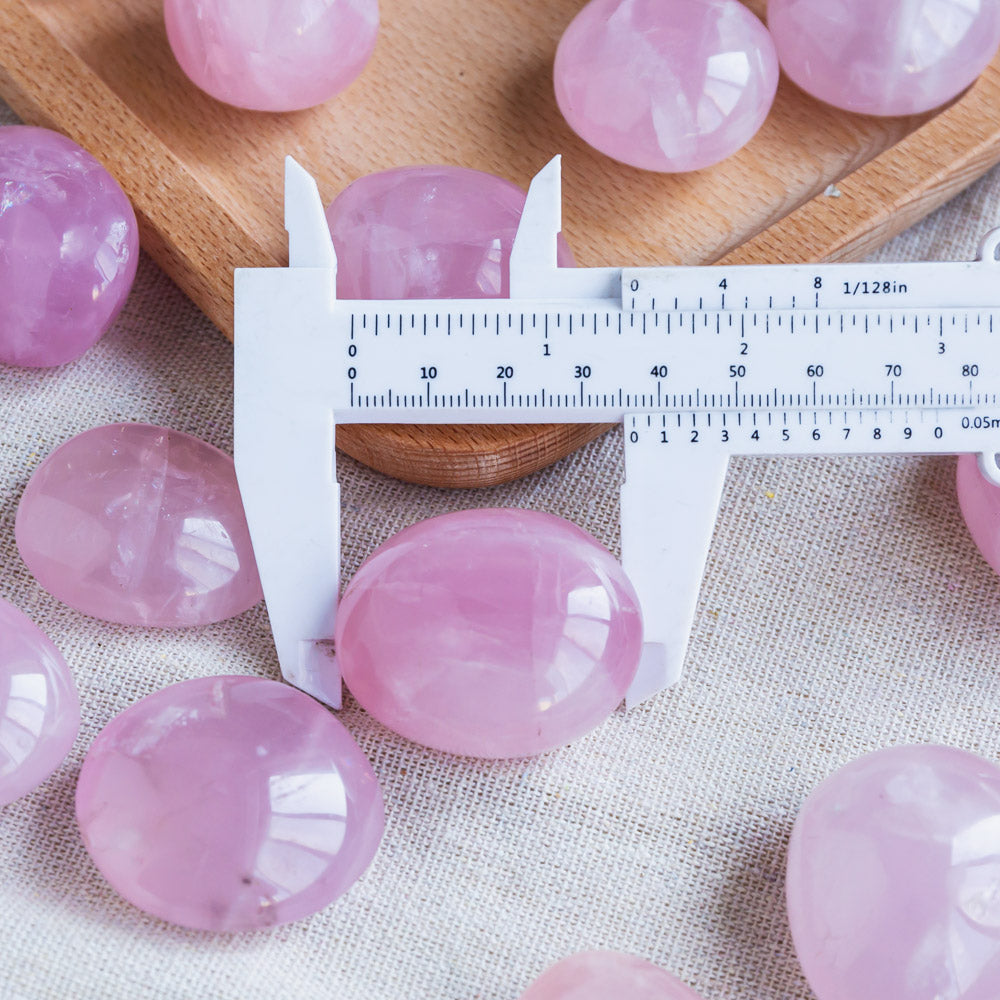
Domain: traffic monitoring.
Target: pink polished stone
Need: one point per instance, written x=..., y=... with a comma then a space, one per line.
x=979, y=501
x=492, y=633
x=604, y=975
x=272, y=55
x=69, y=246
x=667, y=85
x=427, y=233
x=894, y=878
x=139, y=525
x=39, y=707
x=229, y=804
x=894, y=57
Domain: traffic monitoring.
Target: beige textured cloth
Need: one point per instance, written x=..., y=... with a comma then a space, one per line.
x=844, y=608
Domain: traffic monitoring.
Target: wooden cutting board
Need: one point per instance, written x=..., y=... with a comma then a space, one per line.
x=468, y=83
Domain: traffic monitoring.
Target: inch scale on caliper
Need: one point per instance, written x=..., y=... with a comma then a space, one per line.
x=700, y=363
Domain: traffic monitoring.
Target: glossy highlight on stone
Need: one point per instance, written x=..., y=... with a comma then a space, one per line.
x=69, y=246
x=491, y=633
x=430, y=232
x=894, y=57
x=894, y=878
x=272, y=55
x=979, y=501
x=140, y=525
x=665, y=85
x=229, y=804
x=603, y=975
x=39, y=707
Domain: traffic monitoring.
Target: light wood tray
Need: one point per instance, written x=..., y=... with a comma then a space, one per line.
x=469, y=83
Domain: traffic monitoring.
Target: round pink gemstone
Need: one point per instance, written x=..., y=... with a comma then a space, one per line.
x=894, y=878
x=666, y=85
x=39, y=707
x=492, y=633
x=139, y=525
x=600, y=975
x=69, y=246
x=894, y=57
x=427, y=233
x=272, y=55
x=979, y=500
x=229, y=804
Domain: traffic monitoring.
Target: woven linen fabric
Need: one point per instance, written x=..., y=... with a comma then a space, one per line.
x=844, y=608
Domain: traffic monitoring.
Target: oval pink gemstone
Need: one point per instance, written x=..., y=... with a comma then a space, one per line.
x=491, y=633
x=272, y=55
x=894, y=878
x=602, y=975
x=667, y=85
x=427, y=233
x=39, y=707
x=139, y=525
x=979, y=500
x=69, y=245
x=894, y=57
x=229, y=804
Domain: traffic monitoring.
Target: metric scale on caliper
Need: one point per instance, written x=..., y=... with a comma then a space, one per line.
x=699, y=363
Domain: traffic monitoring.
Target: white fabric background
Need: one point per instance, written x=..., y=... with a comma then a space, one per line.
x=844, y=608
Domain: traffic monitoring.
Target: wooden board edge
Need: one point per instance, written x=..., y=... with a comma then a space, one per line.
x=463, y=456
x=892, y=191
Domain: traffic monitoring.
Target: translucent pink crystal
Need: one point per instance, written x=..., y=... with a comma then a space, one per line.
x=666, y=85
x=39, y=708
x=272, y=55
x=979, y=500
x=604, y=975
x=894, y=57
x=894, y=878
x=492, y=633
x=229, y=804
x=69, y=246
x=140, y=525
x=427, y=232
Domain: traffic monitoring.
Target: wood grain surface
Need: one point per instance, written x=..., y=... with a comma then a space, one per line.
x=467, y=83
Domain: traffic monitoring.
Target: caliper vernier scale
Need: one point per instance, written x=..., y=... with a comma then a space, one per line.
x=699, y=363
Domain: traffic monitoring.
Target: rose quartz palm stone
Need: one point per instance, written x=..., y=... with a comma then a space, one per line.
x=893, y=57
x=39, y=707
x=603, y=975
x=427, y=232
x=894, y=878
x=492, y=633
x=69, y=246
x=140, y=525
x=229, y=804
x=667, y=85
x=272, y=55
x=979, y=501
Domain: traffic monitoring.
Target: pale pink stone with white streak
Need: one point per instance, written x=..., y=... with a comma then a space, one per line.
x=272, y=55
x=604, y=975
x=666, y=85
x=894, y=878
x=141, y=525
x=893, y=57
x=491, y=633
x=979, y=500
x=229, y=804
x=427, y=232
x=39, y=707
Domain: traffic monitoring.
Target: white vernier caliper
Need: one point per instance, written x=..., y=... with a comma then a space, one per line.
x=700, y=363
